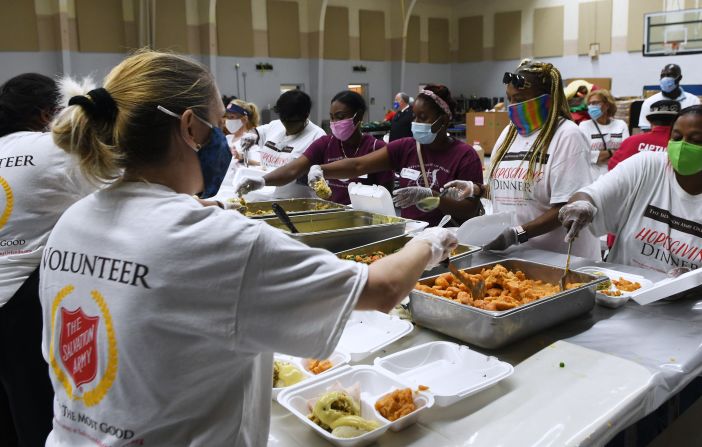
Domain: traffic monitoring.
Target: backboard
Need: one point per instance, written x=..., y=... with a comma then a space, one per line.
x=673, y=32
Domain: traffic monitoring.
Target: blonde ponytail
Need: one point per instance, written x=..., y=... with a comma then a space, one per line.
x=253, y=114
x=136, y=134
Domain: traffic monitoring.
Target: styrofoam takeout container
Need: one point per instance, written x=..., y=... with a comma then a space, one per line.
x=451, y=372
x=374, y=384
x=365, y=333
x=616, y=301
x=338, y=359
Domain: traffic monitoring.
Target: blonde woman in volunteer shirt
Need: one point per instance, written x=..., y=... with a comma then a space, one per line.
x=652, y=201
x=240, y=117
x=540, y=160
x=282, y=141
x=161, y=315
x=425, y=162
x=604, y=133
x=38, y=182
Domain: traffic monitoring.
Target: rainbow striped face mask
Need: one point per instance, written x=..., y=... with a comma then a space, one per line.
x=529, y=116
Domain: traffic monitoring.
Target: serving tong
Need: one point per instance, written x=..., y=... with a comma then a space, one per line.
x=562, y=282
x=283, y=217
x=477, y=288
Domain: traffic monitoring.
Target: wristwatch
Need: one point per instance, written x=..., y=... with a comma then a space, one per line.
x=521, y=234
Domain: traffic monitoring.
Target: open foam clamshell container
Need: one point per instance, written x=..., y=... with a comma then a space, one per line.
x=451, y=372
x=615, y=301
x=365, y=333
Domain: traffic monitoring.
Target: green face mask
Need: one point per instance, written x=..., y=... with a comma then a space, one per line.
x=685, y=157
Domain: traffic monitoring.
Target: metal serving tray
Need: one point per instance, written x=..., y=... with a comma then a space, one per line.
x=341, y=230
x=389, y=246
x=494, y=329
x=293, y=207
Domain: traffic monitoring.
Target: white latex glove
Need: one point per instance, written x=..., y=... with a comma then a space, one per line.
x=314, y=175
x=248, y=140
x=576, y=216
x=459, y=189
x=441, y=240
x=406, y=197
x=503, y=241
x=247, y=184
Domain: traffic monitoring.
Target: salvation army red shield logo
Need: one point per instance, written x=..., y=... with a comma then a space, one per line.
x=78, y=345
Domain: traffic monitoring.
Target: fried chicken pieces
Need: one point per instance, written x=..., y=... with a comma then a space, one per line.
x=504, y=289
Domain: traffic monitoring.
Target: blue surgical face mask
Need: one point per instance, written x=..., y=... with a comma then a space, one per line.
x=214, y=157
x=594, y=111
x=395, y=105
x=668, y=84
x=422, y=132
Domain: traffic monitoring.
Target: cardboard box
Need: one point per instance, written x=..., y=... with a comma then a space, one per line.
x=605, y=83
x=485, y=127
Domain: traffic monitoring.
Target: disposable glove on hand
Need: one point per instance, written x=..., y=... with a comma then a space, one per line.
x=576, y=216
x=441, y=240
x=459, y=189
x=506, y=239
x=314, y=175
x=248, y=140
x=247, y=184
x=406, y=197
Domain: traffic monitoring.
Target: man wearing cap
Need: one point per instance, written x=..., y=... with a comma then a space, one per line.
x=671, y=75
x=400, y=126
x=661, y=117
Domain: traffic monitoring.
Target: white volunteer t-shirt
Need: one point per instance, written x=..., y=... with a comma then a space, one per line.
x=38, y=181
x=685, y=99
x=566, y=170
x=658, y=225
x=277, y=149
x=613, y=133
x=161, y=317
x=227, y=186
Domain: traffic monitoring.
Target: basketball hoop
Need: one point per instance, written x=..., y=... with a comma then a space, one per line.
x=672, y=47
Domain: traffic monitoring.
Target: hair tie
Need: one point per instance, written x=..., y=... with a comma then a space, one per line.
x=97, y=103
x=437, y=99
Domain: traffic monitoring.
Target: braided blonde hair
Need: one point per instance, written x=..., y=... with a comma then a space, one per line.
x=549, y=76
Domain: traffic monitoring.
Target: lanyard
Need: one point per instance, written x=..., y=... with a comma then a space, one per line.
x=421, y=165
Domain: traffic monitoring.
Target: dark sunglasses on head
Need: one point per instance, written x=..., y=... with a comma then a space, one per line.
x=517, y=80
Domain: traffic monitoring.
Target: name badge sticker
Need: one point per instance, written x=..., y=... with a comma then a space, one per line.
x=408, y=173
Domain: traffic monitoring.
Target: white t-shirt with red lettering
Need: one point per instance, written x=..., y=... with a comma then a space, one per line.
x=597, y=135
x=277, y=149
x=38, y=181
x=161, y=317
x=658, y=224
x=566, y=169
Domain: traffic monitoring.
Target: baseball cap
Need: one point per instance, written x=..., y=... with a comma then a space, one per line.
x=665, y=107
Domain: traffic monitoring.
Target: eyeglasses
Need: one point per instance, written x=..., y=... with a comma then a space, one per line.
x=517, y=80
x=175, y=115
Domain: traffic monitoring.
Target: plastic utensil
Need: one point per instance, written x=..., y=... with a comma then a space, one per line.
x=283, y=217
x=567, y=267
x=444, y=220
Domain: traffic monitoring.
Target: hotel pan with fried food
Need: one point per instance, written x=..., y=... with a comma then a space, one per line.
x=494, y=329
x=341, y=230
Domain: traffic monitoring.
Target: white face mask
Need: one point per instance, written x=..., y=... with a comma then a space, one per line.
x=233, y=125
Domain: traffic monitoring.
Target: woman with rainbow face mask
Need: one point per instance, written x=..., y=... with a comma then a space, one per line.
x=539, y=161
x=653, y=201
